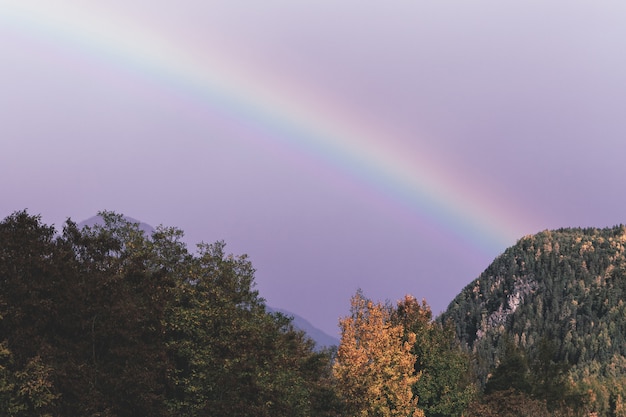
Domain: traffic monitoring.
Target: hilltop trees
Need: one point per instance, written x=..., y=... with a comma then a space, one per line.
x=110, y=322
x=231, y=357
x=107, y=321
x=114, y=353
x=564, y=286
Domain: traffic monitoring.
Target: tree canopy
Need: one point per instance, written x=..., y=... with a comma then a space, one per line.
x=547, y=319
x=107, y=321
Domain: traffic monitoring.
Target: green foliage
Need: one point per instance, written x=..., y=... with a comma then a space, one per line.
x=232, y=358
x=106, y=321
x=558, y=296
x=446, y=385
x=507, y=403
x=27, y=391
x=512, y=373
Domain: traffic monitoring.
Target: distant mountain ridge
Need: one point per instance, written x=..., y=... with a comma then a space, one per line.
x=97, y=220
x=566, y=286
x=320, y=338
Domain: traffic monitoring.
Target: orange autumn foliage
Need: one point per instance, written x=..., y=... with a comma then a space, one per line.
x=374, y=367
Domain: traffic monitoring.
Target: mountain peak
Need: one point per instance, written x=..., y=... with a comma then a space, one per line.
x=321, y=339
x=98, y=220
x=564, y=285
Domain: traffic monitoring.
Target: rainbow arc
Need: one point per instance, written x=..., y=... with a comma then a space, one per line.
x=285, y=118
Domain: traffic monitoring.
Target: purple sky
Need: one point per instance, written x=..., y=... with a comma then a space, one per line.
x=519, y=107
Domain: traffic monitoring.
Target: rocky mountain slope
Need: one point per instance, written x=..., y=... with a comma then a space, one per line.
x=565, y=286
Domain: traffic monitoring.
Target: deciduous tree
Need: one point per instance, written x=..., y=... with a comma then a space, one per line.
x=107, y=321
x=374, y=365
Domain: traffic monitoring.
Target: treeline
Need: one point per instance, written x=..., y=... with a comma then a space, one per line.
x=394, y=360
x=106, y=321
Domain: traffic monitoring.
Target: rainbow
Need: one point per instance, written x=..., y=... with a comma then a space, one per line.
x=282, y=115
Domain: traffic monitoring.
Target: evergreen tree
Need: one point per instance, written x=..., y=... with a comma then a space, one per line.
x=445, y=387
x=512, y=372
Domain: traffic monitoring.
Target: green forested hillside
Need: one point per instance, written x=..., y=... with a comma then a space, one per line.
x=108, y=321
x=556, y=299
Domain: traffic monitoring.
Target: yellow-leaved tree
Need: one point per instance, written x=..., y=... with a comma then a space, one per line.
x=374, y=367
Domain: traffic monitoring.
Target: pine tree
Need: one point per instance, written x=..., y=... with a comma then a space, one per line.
x=445, y=386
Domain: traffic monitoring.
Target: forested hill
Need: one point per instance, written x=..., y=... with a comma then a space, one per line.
x=107, y=320
x=563, y=288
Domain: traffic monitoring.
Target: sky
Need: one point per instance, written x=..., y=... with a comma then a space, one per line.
x=397, y=147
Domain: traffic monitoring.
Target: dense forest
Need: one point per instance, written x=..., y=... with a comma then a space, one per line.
x=551, y=308
x=110, y=320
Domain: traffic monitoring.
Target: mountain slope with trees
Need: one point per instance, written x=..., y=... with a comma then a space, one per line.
x=108, y=320
x=551, y=309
